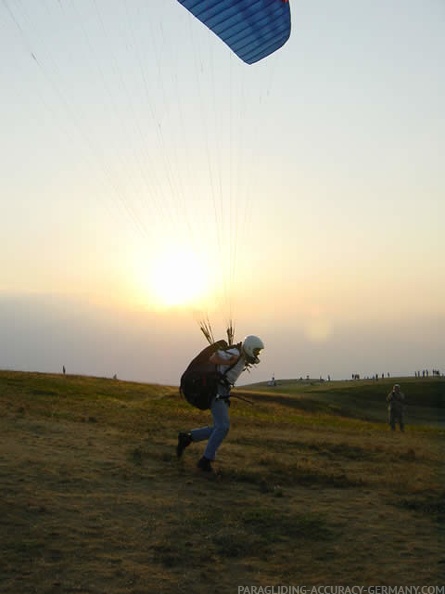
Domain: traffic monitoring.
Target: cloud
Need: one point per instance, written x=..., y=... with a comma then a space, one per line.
x=44, y=332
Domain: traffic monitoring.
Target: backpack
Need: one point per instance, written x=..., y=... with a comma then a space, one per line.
x=199, y=382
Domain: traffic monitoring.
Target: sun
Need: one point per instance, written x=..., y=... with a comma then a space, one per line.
x=176, y=278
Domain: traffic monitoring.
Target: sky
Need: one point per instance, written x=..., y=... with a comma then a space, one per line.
x=150, y=179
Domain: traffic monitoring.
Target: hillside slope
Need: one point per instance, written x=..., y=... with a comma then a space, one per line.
x=95, y=501
x=364, y=399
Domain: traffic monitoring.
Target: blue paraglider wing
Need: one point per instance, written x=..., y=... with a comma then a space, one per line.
x=253, y=29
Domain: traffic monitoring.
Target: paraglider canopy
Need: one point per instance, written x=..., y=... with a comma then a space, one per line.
x=253, y=29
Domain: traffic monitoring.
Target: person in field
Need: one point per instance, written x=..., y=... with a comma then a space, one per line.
x=396, y=405
x=230, y=364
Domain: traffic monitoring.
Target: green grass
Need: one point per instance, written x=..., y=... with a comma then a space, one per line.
x=312, y=488
x=364, y=399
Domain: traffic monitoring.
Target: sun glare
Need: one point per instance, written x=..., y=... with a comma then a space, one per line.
x=176, y=278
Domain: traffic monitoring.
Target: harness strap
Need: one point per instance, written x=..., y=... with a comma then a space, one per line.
x=224, y=380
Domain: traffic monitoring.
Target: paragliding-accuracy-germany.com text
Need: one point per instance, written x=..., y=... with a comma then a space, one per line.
x=341, y=589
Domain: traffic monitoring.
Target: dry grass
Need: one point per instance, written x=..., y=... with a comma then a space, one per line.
x=94, y=500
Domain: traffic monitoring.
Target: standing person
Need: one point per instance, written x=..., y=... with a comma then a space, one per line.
x=396, y=400
x=230, y=364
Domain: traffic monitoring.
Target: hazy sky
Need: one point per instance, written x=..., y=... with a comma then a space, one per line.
x=304, y=195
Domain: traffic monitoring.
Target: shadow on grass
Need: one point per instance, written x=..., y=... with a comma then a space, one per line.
x=272, y=474
x=249, y=533
x=430, y=504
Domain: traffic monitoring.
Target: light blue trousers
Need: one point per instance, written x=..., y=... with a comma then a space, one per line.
x=218, y=431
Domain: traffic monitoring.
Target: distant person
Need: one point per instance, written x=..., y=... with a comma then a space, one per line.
x=64, y=370
x=230, y=364
x=396, y=400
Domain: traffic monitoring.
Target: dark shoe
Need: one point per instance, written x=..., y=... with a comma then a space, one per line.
x=184, y=440
x=205, y=464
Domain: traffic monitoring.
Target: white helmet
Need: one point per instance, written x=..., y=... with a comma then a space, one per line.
x=252, y=346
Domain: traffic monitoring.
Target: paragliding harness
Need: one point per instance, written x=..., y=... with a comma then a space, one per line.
x=199, y=382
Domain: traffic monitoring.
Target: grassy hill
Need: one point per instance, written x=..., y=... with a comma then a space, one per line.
x=364, y=399
x=312, y=488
